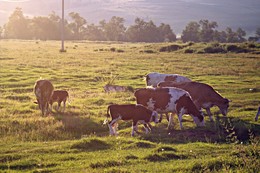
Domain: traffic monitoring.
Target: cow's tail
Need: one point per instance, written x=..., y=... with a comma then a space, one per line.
x=108, y=115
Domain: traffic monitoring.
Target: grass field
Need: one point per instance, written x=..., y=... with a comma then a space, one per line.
x=77, y=140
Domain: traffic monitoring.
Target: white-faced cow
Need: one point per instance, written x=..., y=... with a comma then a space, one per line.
x=59, y=96
x=137, y=113
x=43, y=90
x=169, y=100
x=257, y=114
x=152, y=79
x=203, y=96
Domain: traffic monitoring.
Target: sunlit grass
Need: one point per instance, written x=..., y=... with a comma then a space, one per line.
x=77, y=140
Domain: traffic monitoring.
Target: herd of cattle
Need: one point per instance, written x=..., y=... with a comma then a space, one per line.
x=164, y=93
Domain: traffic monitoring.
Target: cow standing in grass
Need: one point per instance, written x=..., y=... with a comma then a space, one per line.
x=203, y=95
x=152, y=79
x=59, y=96
x=169, y=100
x=43, y=90
x=137, y=113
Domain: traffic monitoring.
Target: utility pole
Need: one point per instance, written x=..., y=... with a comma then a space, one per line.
x=62, y=29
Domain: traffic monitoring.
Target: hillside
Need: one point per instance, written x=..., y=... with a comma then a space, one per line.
x=231, y=13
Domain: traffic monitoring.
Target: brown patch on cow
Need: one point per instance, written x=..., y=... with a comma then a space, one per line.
x=162, y=97
x=170, y=78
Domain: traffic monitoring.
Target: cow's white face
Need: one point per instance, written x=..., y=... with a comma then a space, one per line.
x=198, y=122
x=155, y=117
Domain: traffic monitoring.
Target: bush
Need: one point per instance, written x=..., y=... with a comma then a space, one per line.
x=170, y=48
x=236, y=49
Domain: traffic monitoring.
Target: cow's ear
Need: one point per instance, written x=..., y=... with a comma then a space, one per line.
x=35, y=102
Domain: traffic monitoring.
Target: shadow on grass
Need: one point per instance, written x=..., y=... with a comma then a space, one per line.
x=224, y=129
x=78, y=126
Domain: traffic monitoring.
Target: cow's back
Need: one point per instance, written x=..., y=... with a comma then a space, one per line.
x=159, y=99
x=43, y=89
x=152, y=79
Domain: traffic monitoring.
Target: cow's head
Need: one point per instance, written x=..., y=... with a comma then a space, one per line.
x=155, y=117
x=199, y=120
x=223, y=107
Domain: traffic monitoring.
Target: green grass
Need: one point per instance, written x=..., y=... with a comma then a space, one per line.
x=76, y=141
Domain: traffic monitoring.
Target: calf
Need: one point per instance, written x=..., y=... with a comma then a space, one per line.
x=59, y=96
x=130, y=112
x=43, y=90
x=169, y=100
x=152, y=79
x=115, y=88
x=257, y=114
x=203, y=95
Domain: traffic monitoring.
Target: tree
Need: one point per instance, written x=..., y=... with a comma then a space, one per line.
x=17, y=26
x=257, y=33
x=241, y=34
x=114, y=30
x=94, y=32
x=166, y=32
x=207, y=30
x=191, y=32
x=77, y=27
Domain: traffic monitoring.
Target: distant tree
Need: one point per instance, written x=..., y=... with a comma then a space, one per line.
x=166, y=32
x=220, y=36
x=114, y=30
x=77, y=26
x=17, y=26
x=1, y=32
x=241, y=35
x=94, y=33
x=257, y=33
x=191, y=32
x=231, y=35
x=207, y=30
x=143, y=31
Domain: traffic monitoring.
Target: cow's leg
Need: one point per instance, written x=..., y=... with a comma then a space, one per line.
x=134, y=128
x=64, y=105
x=161, y=116
x=111, y=131
x=209, y=114
x=170, y=123
x=50, y=106
x=147, y=128
x=180, y=120
x=59, y=103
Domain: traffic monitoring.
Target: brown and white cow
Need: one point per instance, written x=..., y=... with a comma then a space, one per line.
x=203, y=96
x=130, y=112
x=59, y=96
x=43, y=90
x=152, y=79
x=170, y=100
x=257, y=114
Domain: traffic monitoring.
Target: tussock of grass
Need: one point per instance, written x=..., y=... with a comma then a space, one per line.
x=91, y=144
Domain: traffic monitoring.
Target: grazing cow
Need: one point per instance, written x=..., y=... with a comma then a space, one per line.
x=152, y=79
x=257, y=114
x=59, y=96
x=169, y=100
x=43, y=90
x=130, y=112
x=203, y=96
x=115, y=88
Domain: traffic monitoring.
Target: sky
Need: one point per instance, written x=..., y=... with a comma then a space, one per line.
x=177, y=13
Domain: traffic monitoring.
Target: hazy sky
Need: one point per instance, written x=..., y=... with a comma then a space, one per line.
x=177, y=13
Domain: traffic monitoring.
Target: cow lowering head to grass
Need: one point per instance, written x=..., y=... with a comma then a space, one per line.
x=43, y=90
x=170, y=100
x=152, y=79
x=136, y=113
x=59, y=96
x=203, y=96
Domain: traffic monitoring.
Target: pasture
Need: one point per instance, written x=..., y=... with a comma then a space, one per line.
x=77, y=140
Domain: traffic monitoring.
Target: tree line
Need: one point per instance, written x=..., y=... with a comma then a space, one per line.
x=49, y=27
